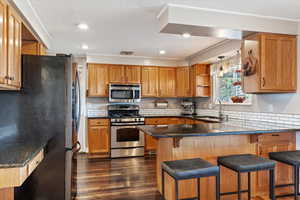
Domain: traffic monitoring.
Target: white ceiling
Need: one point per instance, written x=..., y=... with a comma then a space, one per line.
x=117, y=25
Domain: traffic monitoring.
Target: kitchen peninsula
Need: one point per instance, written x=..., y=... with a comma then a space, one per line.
x=211, y=140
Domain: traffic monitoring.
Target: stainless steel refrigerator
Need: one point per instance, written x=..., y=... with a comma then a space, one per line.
x=47, y=106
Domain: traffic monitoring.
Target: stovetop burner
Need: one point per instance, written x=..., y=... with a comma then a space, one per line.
x=127, y=114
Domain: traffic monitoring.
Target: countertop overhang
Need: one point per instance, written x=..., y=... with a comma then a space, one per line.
x=232, y=127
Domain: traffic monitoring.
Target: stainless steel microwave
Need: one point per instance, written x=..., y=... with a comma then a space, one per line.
x=124, y=93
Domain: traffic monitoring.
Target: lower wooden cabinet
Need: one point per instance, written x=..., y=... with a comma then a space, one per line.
x=99, y=136
x=284, y=174
x=150, y=143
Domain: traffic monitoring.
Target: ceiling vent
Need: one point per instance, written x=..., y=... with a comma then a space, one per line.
x=126, y=53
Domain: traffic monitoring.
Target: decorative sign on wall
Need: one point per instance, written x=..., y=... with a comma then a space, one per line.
x=251, y=61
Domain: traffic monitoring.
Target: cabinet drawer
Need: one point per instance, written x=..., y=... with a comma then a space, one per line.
x=275, y=138
x=35, y=162
x=98, y=122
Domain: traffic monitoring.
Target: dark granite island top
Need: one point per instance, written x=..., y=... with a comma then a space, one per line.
x=232, y=127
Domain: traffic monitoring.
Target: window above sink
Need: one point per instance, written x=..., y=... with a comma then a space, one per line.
x=227, y=82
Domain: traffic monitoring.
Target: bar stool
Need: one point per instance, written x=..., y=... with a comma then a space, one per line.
x=190, y=169
x=291, y=158
x=247, y=163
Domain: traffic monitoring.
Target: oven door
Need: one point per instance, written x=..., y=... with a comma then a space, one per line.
x=126, y=137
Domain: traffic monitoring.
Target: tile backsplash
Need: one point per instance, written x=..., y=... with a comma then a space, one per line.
x=256, y=116
x=98, y=107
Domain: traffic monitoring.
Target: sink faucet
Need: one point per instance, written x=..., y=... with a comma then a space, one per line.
x=221, y=115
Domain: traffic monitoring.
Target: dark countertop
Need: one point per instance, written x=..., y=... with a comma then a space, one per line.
x=17, y=150
x=195, y=117
x=232, y=127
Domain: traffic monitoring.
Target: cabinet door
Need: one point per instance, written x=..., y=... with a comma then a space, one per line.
x=150, y=81
x=3, y=49
x=167, y=80
x=97, y=80
x=14, y=49
x=278, y=63
x=288, y=63
x=183, y=82
x=133, y=74
x=283, y=173
x=117, y=74
x=150, y=143
x=98, y=139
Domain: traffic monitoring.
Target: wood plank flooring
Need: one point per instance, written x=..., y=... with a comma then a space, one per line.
x=116, y=179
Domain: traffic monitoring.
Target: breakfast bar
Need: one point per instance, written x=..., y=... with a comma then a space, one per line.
x=211, y=140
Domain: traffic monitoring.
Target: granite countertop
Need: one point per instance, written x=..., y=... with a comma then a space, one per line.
x=17, y=150
x=196, y=117
x=232, y=127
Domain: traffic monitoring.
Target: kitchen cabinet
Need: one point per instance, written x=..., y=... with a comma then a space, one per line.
x=150, y=143
x=3, y=44
x=124, y=74
x=33, y=48
x=284, y=174
x=150, y=81
x=200, y=80
x=97, y=80
x=117, y=74
x=14, y=49
x=167, y=82
x=269, y=63
x=133, y=74
x=10, y=48
x=183, y=88
x=99, y=136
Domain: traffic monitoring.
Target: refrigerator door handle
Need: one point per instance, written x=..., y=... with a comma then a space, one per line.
x=78, y=95
x=75, y=148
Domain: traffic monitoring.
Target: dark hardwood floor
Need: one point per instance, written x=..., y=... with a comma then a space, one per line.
x=116, y=179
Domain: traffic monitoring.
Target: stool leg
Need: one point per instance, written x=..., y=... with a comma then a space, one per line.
x=198, y=189
x=249, y=185
x=218, y=187
x=176, y=190
x=272, y=184
x=163, y=183
x=239, y=186
x=296, y=181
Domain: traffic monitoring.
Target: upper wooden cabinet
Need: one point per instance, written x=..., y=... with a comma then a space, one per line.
x=167, y=82
x=116, y=74
x=14, y=49
x=10, y=48
x=183, y=88
x=124, y=74
x=33, y=48
x=269, y=63
x=3, y=44
x=150, y=81
x=200, y=80
x=97, y=80
x=133, y=74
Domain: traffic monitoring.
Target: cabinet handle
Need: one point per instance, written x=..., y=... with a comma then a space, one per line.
x=6, y=77
x=275, y=135
x=263, y=82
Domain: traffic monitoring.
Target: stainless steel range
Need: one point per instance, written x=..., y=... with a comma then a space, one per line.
x=126, y=139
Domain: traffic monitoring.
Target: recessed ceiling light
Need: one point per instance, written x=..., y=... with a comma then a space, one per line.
x=162, y=52
x=83, y=26
x=84, y=46
x=186, y=35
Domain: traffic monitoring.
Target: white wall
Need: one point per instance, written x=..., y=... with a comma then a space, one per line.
x=134, y=60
